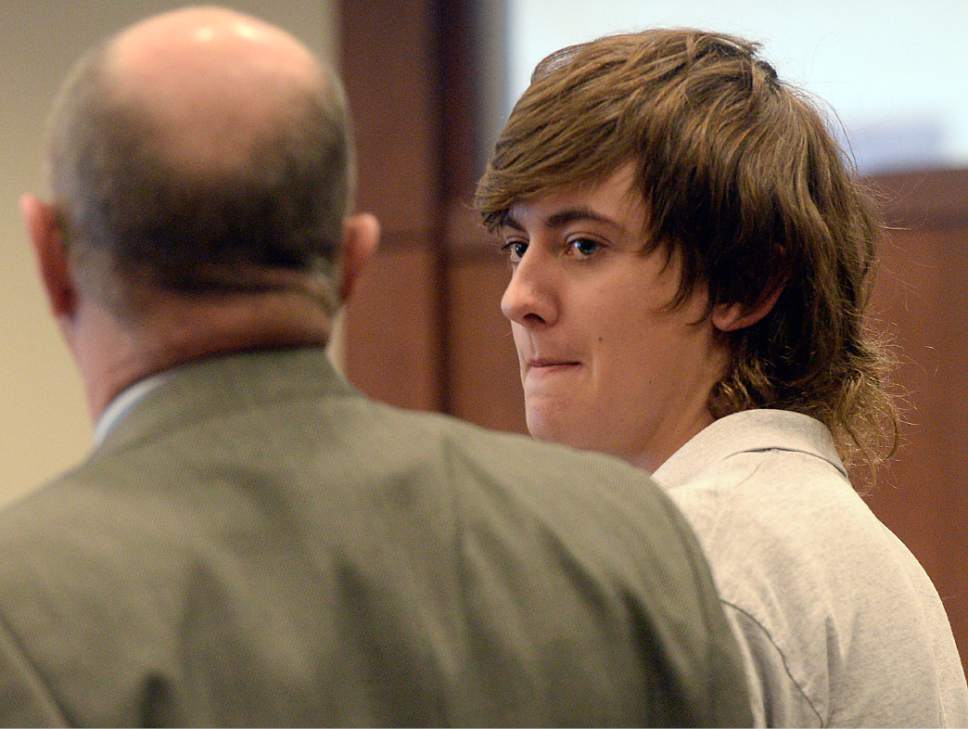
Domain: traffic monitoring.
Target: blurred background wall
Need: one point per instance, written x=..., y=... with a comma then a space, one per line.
x=430, y=82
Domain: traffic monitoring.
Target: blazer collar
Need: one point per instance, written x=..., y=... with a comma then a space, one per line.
x=225, y=384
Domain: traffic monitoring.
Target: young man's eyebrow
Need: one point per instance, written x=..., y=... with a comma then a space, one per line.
x=578, y=213
x=508, y=221
x=563, y=217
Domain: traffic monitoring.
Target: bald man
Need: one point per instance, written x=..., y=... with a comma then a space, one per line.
x=252, y=542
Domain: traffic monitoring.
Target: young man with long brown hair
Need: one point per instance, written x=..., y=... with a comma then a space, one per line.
x=692, y=259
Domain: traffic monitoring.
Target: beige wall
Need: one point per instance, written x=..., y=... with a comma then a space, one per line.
x=43, y=420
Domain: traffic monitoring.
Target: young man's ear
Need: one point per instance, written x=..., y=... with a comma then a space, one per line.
x=47, y=237
x=361, y=235
x=732, y=317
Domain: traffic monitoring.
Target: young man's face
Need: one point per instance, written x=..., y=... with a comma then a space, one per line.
x=605, y=364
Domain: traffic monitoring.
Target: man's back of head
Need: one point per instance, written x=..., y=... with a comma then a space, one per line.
x=200, y=165
x=192, y=143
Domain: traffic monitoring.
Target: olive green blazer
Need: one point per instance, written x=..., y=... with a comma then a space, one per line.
x=255, y=543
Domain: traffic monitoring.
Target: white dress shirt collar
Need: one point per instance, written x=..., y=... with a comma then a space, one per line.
x=122, y=404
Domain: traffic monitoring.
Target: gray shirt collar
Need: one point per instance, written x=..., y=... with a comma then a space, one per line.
x=744, y=432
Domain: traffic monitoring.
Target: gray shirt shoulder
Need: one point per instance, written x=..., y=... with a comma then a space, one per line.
x=838, y=622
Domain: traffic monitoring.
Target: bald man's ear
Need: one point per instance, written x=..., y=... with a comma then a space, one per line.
x=732, y=317
x=47, y=237
x=361, y=235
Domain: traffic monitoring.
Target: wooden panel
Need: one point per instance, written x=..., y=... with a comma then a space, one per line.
x=394, y=335
x=485, y=386
x=390, y=71
x=921, y=298
x=925, y=200
x=391, y=334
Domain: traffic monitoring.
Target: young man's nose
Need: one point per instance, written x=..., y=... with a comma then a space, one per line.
x=530, y=298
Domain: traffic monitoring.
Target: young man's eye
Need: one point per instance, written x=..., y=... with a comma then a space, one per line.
x=584, y=247
x=515, y=249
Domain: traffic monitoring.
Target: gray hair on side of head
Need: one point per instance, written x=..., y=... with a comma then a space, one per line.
x=135, y=219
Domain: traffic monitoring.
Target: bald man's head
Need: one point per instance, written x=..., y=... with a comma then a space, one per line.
x=213, y=80
x=195, y=144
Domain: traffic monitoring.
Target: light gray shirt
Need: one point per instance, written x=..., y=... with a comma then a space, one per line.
x=838, y=622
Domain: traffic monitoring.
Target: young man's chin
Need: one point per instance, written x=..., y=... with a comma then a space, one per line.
x=560, y=428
